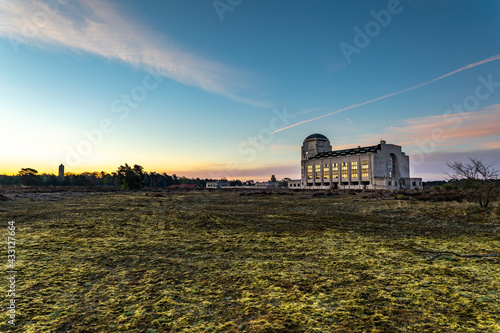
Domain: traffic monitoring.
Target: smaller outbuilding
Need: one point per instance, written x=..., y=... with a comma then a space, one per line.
x=218, y=184
x=267, y=184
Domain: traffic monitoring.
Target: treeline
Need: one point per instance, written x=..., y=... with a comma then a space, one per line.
x=455, y=184
x=125, y=177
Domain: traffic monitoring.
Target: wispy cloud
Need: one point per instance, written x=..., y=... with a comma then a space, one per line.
x=491, y=145
x=484, y=61
x=255, y=173
x=435, y=167
x=97, y=27
x=462, y=131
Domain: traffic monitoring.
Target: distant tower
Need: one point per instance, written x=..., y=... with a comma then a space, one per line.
x=61, y=171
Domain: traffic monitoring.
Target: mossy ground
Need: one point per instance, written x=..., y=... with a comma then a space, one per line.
x=222, y=262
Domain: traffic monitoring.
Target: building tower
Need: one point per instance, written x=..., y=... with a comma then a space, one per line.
x=61, y=171
x=313, y=144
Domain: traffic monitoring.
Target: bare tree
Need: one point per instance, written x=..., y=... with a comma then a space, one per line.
x=480, y=178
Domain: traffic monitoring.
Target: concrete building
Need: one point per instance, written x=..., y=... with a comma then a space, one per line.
x=294, y=183
x=383, y=166
x=61, y=171
x=267, y=185
x=218, y=184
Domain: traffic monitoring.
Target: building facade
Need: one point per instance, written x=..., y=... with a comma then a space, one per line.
x=218, y=184
x=262, y=185
x=294, y=183
x=383, y=166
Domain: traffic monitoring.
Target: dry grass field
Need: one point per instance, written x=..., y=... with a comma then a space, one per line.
x=228, y=262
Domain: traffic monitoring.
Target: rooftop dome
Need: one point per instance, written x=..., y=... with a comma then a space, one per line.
x=316, y=136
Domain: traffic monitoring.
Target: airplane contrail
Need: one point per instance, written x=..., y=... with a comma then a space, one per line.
x=493, y=58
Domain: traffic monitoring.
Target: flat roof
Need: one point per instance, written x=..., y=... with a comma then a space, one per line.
x=348, y=152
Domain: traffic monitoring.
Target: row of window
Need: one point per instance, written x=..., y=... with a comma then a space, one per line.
x=344, y=168
x=335, y=185
x=389, y=183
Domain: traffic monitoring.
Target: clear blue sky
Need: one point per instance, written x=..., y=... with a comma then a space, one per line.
x=197, y=88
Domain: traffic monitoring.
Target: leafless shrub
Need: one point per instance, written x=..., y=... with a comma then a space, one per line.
x=479, y=178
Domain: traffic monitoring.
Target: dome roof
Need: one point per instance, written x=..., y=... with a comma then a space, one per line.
x=316, y=136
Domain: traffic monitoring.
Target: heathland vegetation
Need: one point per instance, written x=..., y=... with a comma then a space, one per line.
x=253, y=261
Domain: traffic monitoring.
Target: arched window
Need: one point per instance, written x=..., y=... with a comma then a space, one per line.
x=392, y=166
